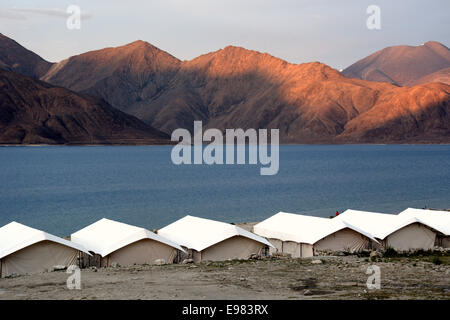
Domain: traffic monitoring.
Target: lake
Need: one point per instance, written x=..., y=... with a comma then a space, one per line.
x=61, y=189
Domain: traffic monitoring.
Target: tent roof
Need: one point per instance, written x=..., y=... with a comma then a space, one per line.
x=380, y=225
x=199, y=233
x=106, y=236
x=15, y=236
x=438, y=220
x=302, y=228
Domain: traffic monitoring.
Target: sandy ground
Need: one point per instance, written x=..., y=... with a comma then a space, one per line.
x=283, y=278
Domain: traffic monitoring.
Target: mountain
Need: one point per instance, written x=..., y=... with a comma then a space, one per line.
x=34, y=112
x=401, y=65
x=309, y=103
x=235, y=87
x=239, y=88
x=419, y=114
x=232, y=87
x=122, y=75
x=442, y=75
x=16, y=58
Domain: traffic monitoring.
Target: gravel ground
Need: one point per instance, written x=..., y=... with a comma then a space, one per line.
x=282, y=278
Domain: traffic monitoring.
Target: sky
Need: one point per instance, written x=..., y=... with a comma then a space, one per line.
x=330, y=31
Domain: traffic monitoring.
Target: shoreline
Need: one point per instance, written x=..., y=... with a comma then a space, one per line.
x=174, y=143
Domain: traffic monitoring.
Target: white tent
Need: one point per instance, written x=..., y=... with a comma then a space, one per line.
x=299, y=235
x=25, y=250
x=124, y=244
x=438, y=220
x=213, y=240
x=400, y=232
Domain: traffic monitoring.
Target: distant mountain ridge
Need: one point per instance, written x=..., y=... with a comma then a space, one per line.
x=402, y=65
x=239, y=88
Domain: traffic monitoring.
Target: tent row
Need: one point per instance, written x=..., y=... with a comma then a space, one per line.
x=107, y=243
x=352, y=231
x=25, y=250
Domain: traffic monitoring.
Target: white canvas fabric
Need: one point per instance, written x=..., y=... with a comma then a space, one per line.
x=302, y=228
x=39, y=257
x=199, y=233
x=277, y=245
x=307, y=250
x=292, y=248
x=438, y=220
x=144, y=251
x=300, y=235
x=445, y=242
x=236, y=247
x=106, y=237
x=380, y=225
x=295, y=249
x=411, y=237
x=343, y=240
x=26, y=250
x=401, y=232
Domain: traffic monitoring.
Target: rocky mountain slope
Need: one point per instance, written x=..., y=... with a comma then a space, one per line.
x=123, y=76
x=16, y=58
x=309, y=103
x=34, y=112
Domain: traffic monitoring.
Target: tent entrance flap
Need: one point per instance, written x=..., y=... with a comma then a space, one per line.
x=343, y=240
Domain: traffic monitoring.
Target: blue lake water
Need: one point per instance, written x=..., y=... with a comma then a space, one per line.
x=62, y=189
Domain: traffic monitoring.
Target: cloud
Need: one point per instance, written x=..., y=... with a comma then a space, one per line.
x=7, y=14
x=51, y=12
